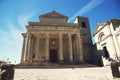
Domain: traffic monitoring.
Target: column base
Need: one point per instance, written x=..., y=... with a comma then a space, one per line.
x=46, y=61
x=26, y=61
x=81, y=62
x=61, y=61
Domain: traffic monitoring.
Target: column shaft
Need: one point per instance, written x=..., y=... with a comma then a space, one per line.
x=37, y=47
x=80, y=47
x=70, y=48
x=60, y=47
x=47, y=47
x=28, y=49
x=23, y=49
x=26, y=46
x=31, y=50
x=74, y=50
x=77, y=49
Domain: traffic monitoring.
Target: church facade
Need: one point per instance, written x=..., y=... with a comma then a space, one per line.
x=54, y=40
x=107, y=38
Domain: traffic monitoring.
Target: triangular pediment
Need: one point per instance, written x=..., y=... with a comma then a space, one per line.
x=53, y=17
x=99, y=27
x=53, y=14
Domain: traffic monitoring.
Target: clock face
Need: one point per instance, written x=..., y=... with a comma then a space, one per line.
x=53, y=42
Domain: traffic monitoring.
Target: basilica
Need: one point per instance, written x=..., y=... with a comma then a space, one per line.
x=53, y=40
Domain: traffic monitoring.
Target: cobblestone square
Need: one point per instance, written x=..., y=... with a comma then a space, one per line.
x=93, y=73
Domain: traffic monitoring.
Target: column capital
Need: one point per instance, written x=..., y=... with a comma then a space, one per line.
x=60, y=33
x=24, y=35
x=78, y=33
x=47, y=33
x=69, y=34
x=29, y=34
x=37, y=33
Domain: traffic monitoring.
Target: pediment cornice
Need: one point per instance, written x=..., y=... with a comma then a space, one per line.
x=53, y=14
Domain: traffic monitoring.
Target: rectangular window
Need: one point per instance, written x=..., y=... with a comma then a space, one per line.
x=33, y=56
x=84, y=25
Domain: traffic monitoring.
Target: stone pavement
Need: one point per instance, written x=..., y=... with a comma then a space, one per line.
x=92, y=73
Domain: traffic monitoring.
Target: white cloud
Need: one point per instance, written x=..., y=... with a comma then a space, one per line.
x=5, y=38
x=11, y=42
x=23, y=19
x=92, y=4
x=11, y=39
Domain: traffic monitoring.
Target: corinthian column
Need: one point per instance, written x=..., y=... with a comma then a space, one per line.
x=70, y=48
x=29, y=48
x=23, y=49
x=60, y=47
x=80, y=47
x=26, y=46
x=47, y=47
x=37, y=47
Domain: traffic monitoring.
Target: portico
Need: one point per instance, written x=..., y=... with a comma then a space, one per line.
x=38, y=46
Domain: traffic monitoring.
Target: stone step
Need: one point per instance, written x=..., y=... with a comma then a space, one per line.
x=50, y=65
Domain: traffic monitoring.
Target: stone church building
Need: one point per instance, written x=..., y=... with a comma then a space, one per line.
x=54, y=40
x=107, y=38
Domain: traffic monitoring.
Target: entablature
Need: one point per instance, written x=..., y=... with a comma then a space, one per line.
x=52, y=24
x=52, y=28
x=52, y=31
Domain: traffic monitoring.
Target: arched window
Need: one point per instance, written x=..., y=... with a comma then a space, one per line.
x=101, y=36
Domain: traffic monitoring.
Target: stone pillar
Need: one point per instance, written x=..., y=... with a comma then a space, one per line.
x=70, y=47
x=47, y=47
x=29, y=48
x=77, y=49
x=37, y=47
x=26, y=46
x=23, y=48
x=60, y=47
x=80, y=47
x=74, y=50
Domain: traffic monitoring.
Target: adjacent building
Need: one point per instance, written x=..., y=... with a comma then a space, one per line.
x=107, y=38
x=54, y=40
x=2, y=62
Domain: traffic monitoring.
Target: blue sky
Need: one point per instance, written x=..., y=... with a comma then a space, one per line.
x=15, y=14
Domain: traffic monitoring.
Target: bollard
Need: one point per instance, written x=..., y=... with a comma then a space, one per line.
x=7, y=72
x=115, y=70
x=4, y=75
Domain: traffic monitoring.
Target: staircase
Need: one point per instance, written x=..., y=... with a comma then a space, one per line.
x=54, y=65
x=106, y=62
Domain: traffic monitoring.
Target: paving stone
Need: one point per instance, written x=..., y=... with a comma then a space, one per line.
x=95, y=73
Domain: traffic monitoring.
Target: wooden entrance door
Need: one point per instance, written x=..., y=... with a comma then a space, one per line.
x=53, y=55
